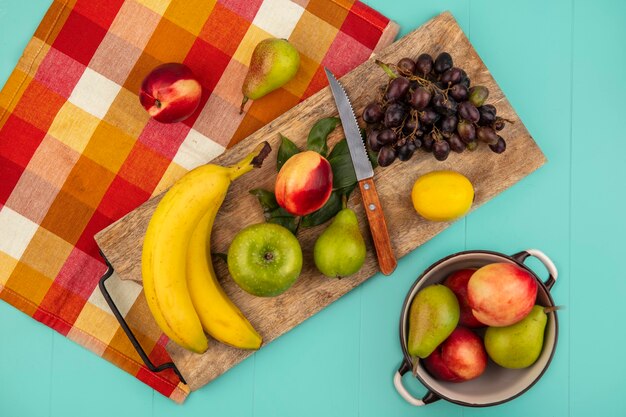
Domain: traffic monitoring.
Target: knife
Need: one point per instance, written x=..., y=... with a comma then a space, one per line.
x=364, y=174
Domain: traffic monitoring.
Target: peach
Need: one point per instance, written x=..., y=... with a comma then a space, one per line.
x=304, y=183
x=459, y=358
x=457, y=282
x=501, y=294
x=170, y=93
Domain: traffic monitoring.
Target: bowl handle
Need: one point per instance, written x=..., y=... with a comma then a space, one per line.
x=430, y=397
x=547, y=262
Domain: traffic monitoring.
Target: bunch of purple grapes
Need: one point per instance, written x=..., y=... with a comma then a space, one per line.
x=429, y=105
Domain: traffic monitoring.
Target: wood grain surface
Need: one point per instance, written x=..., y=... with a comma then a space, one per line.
x=490, y=173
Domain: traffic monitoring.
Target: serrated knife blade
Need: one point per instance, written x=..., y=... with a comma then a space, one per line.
x=362, y=165
x=364, y=174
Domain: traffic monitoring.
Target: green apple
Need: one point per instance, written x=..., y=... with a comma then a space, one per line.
x=265, y=259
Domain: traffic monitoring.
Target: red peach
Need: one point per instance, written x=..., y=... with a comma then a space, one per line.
x=459, y=358
x=304, y=183
x=170, y=93
x=457, y=282
x=501, y=294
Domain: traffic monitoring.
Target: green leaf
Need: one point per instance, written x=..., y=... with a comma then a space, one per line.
x=267, y=199
x=286, y=150
x=272, y=212
x=290, y=222
x=373, y=158
x=327, y=212
x=319, y=133
x=341, y=164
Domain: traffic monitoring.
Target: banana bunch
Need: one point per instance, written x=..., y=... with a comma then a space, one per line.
x=180, y=285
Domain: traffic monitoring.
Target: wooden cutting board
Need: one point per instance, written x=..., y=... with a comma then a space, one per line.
x=490, y=173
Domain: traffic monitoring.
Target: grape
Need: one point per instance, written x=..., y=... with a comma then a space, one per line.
x=465, y=80
x=397, y=89
x=442, y=105
x=466, y=131
x=459, y=92
x=394, y=115
x=499, y=124
x=435, y=110
x=406, y=66
x=424, y=64
x=487, y=135
x=428, y=141
x=467, y=111
x=405, y=152
x=443, y=63
x=441, y=150
x=373, y=113
x=386, y=156
x=487, y=115
x=419, y=98
x=448, y=123
x=429, y=116
x=373, y=141
x=478, y=95
x=387, y=137
x=500, y=146
x=456, y=144
x=400, y=142
x=452, y=76
x=410, y=126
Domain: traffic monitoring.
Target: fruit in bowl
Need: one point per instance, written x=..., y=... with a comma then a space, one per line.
x=457, y=282
x=459, y=358
x=433, y=316
x=265, y=259
x=170, y=93
x=501, y=294
x=304, y=183
x=518, y=345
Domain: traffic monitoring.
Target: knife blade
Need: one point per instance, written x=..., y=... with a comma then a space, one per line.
x=364, y=174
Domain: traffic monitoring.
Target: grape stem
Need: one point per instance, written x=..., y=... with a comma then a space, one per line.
x=386, y=68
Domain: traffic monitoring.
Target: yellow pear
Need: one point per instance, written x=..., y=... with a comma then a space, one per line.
x=274, y=62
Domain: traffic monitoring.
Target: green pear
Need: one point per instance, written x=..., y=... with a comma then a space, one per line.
x=274, y=62
x=433, y=316
x=518, y=345
x=340, y=249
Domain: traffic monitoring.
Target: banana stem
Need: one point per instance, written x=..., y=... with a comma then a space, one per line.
x=253, y=160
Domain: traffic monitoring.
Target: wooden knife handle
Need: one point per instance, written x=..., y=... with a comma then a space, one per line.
x=376, y=218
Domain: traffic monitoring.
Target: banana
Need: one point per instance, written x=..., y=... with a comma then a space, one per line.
x=197, y=194
x=219, y=316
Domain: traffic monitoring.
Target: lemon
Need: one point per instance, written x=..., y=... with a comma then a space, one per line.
x=442, y=195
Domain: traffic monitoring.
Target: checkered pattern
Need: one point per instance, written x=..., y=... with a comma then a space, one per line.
x=77, y=151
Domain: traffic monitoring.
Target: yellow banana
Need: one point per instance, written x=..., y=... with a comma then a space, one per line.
x=164, y=257
x=219, y=316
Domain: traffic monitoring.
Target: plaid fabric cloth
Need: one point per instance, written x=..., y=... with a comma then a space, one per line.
x=77, y=151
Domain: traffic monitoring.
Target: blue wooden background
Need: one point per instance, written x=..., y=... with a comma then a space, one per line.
x=562, y=64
